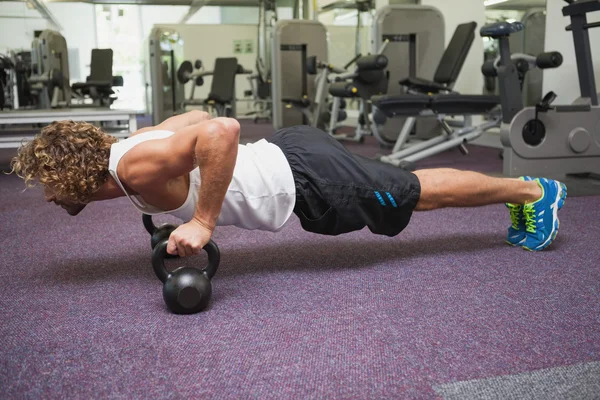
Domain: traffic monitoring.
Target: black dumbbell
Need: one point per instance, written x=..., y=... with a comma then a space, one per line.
x=186, y=290
x=184, y=73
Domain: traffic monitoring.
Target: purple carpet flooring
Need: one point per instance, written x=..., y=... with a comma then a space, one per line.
x=293, y=315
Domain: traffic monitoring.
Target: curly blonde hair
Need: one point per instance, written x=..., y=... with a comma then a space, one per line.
x=69, y=157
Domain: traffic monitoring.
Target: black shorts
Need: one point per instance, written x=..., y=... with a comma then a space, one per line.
x=339, y=192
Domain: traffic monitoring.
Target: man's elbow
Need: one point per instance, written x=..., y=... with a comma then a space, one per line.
x=232, y=126
x=226, y=130
x=228, y=127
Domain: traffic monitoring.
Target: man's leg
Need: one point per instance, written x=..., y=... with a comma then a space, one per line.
x=445, y=187
x=533, y=204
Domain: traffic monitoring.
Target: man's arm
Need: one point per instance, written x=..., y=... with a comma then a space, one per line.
x=211, y=145
x=181, y=121
x=177, y=122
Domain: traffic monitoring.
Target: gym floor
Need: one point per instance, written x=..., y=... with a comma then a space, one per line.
x=444, y=310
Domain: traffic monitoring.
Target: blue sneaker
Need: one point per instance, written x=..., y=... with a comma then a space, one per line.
x=541, y=217
x=516, y=232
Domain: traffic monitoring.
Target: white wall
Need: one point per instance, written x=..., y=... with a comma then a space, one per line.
x=78, y=21
x=157, y=15
x=564, y=80
x=79, y=29
x=470, y=80
x=208, y=42
x=16, y=32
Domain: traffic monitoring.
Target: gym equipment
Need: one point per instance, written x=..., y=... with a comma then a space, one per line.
x=532, y=41
x=6, y=81
x=260, y=83
x=185, y=72
x=17, y=69
x=186, y=290
x=158, y=233
x=368, y=79
x=548, y=139
x=221, y=98
x=165, y=94
x=260, y=91
x=267, y=17
x=49, y=80
x=361, y=6
x=313, y=111
x=440, y=106
x=524, y=64
x=293, y=40
x=446, y=74
x=437, y=99
x=417, y=40
x=99, y=84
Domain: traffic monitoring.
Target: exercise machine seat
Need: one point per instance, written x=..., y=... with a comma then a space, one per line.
x=411, y=104
x=464, y=104
x=423, y=85
x=501, y=29
x=457, y=104
x=450, y=64
x=223, y=81
x=101, y=74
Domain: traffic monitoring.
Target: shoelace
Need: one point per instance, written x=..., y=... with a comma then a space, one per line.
x=515, y=215
x=530, y=222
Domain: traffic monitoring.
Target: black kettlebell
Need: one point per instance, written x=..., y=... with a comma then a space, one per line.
x=186, y=290
x=158, y=233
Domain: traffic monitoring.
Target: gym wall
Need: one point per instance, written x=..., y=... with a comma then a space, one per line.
x=564, y=81
x=342, y=43
x=208, y=42
x=455, y=12
x=16, y=31
x=78, y=21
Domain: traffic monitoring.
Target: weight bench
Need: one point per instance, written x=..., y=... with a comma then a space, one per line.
x=99, y=84
x=221, y=97
x=446, y=75
x=419, y=105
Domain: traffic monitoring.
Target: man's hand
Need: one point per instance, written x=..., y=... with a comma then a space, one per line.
x=189, y=239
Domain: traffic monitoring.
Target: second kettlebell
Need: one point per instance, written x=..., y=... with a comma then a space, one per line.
x=158, y=233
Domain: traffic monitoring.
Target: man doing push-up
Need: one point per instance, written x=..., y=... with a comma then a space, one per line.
x=193, y=167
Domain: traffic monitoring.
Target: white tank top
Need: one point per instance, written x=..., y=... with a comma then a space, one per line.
x=262, y=193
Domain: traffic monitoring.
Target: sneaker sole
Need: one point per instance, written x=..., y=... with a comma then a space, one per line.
x=515, y=244
x=560, y=204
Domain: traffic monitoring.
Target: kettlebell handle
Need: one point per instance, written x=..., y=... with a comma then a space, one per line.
x=149, y=224
x=160, y=252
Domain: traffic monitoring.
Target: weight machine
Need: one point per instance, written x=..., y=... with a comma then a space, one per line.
x=221, y=99
x=49, y=80
x=548, y=139
x=368, y=79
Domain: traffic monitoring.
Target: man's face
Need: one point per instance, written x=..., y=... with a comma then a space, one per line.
x=71, y=207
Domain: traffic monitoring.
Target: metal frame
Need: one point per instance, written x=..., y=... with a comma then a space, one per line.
x=279, y=121
x=451, y=138
x=407, y=32
x=47, y=116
